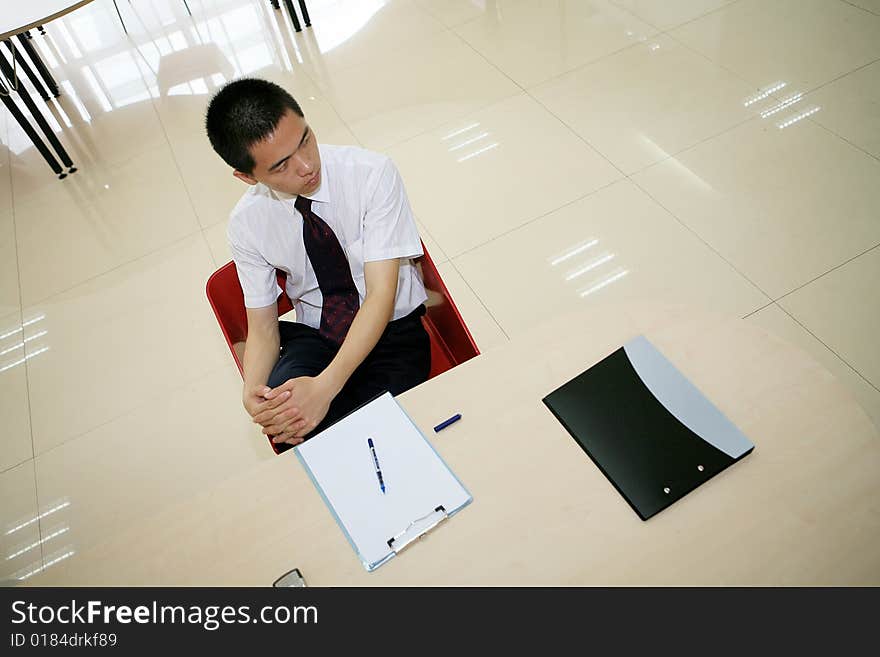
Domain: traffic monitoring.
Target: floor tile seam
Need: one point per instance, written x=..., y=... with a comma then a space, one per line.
x=34, y=197
x=527, y=90
x=27, y=383
x=776, y=305
x=426, y=131
x=482, y=16
x=764, y=307
x=841, y=137
x=339, y=116
x=424, y=228
x=532, y=220
x=828, y=347
x=578, y=136
x=699, y=237
x=177, y=166
x=39, y=513
x=756, y=85
x=459, y=23
x=846, y=2
x=630, y=177
x=778, y=95
x=479, y=299
x=616, y=3
x=593, y=62
x=701, y=16
x=86, y=149
x=659, y=33
x=387, y=147
x=479, y=54
x=394, y=52
x=16, y=465
x=837, y=78
x=36, y=510
x=826, y=273
x=318, y=88
x=178, y=385
x=482, y=108
x=673, y=155
x=756, y=117
x=175, y=242
x=210, y=250
x=693, y=146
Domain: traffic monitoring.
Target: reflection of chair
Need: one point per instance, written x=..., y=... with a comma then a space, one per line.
x=194, y=63
x=451, y=342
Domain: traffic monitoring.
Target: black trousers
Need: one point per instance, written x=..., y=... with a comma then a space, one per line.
x=400, y=360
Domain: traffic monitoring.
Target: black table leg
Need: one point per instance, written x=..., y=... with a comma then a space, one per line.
x=6, y=97
x=21, y=62
x=6, y=69
x=293, y=16
x=305, y=13
x=124, y=29
x=187, y=8
x=41, y=67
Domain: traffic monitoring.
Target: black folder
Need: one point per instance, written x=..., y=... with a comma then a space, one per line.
x=648, y=429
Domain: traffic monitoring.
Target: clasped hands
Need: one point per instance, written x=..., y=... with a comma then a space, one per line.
x=293, y=409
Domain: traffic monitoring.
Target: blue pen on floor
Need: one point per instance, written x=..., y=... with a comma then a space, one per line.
x=446, y=423
x=376, y=461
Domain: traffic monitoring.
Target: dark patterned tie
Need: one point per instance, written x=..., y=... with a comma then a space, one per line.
x=333, y=272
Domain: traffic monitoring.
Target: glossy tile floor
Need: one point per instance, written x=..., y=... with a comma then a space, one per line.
x=713, y=153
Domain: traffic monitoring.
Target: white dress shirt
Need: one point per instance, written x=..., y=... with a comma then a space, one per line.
x=362, y=199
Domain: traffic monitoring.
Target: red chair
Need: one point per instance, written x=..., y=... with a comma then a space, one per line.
x=451, y=342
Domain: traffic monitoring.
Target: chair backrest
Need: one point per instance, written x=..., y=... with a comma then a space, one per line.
x=451, y=342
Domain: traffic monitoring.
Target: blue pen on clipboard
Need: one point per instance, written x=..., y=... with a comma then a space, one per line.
x=446, y=423
x=376, y=462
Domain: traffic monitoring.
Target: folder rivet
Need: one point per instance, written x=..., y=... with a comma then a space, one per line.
x=700, y=468
x=666, y=490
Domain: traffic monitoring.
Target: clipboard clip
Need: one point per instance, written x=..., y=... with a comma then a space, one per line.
x=417, y=528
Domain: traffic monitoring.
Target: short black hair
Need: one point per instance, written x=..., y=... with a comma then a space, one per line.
x=242, y=113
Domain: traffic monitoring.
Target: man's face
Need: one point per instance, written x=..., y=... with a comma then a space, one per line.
x=288, y=160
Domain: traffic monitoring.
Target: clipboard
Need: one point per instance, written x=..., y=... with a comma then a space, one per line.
x=421, y=491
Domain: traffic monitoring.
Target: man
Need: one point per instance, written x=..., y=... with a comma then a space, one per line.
x=338, y=222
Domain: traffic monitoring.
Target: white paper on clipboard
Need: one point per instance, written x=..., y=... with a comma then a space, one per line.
x=420, y=489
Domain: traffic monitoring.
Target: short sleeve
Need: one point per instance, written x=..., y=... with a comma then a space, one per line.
x=389, y=226
x=256, y=275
